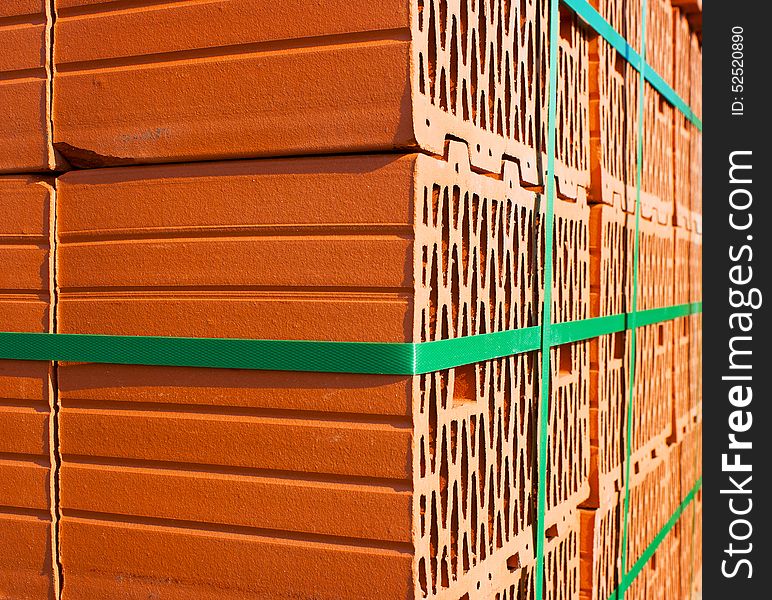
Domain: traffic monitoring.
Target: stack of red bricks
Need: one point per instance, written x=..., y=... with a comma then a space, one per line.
x=667, y=397
x=306, y=170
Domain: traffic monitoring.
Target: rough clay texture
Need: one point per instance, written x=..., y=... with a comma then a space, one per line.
x=27, y=454
x=391, y=74
x=25, y=86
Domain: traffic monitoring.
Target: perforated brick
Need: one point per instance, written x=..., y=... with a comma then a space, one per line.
x=572, y=143
x=474, y=424
x=613, y=117
x=682, y=171
x=655, y=265
x=27, y=454
x=317, y=78
x=425, y=483
x=611, y=243
x=657, y=175
x=682, y=45
x=659, y=38
x=601, y=543
x=695, y=90
x=651, y=504
x=695, y=181
x=25, y=88
x=568, y=458
x=684, y=407
x=562, y=561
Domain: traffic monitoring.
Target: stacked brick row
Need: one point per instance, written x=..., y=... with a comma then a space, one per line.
x=27, y=443
x=358, y=175
x=667, y=392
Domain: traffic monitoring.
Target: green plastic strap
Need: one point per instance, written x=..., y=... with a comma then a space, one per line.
x=542, y=413
x=603, y=28
x=577, y=331
x=279, y=355
x=635, y=321
x=630, y=576
x=586, y=329
x=275, y=355
x=386, y=358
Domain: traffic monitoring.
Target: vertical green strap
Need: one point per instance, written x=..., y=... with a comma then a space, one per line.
x=549, y=191
x=622, y=588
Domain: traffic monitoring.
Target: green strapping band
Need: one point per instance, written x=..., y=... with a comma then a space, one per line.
x=375, y=358
x=542, y=411
x=603, y=28
x=634, y=303
x=630, y=576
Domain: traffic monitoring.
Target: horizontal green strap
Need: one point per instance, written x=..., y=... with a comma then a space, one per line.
x=217, y=353
x=603, y=28
x=577, y=331
x=658, y=315
x=446, y=354
x=630, y=576
x=386, y=358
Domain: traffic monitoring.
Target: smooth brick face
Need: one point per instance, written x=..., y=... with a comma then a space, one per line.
x=25, y=126
x=26, y=453
x=335, y=473
x=386, y=75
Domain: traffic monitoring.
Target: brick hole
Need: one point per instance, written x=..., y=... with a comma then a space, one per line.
x=482, y=30
x=444, y=468
x=513, y=562
x=619, y=345
x=551, y=532
x=422, y=576
x=465, y=385
x=661, y=334
x=473, y=79
x=432, y=52
x=565, y=361
x=433, y=541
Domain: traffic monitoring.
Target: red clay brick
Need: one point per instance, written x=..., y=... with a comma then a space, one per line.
x=613, y=116
x=695, y=180
x=651, y=503
x=26, y=408
x=393, y=74
x=657, y=176
x=601, y=542
x=25, y=89
x=611, y=243
x=568, y=460
x=417, y=471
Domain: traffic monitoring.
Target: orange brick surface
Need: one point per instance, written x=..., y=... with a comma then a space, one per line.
x=613, y=116
x=392, y=476
x=27, y=399
x=611, y=253
x=601, y=543
x=316, y=77
x=25, y=86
